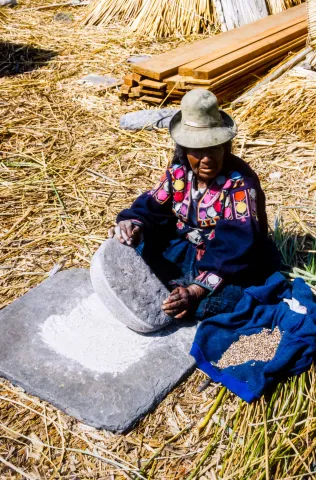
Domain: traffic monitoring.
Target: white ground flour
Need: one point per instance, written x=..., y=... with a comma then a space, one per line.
x=90, y=335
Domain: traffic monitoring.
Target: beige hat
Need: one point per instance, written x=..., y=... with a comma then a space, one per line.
x=200, y=123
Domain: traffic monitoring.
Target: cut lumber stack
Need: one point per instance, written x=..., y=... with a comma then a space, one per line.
x=225, y=63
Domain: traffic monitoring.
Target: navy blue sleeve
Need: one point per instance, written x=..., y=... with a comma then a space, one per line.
x=154, y=208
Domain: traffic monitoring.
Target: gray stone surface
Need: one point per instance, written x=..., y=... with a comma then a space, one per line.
x=138, y=58
x=99, y=80
x=128, y=288
x=9, y=3
x=103, y=400
x=62, y=17
x=147, y=119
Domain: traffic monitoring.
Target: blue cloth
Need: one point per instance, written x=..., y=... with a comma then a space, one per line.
x=260, y=307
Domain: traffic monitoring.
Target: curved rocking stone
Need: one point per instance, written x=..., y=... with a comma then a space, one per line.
x=128, y=288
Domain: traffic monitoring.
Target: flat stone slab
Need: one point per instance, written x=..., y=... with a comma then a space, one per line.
x=96, y=80
x=60, y=342
x=128, y=288
x=147, y=119
x=138, y=58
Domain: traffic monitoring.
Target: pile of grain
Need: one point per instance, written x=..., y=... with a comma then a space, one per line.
x=259, y=347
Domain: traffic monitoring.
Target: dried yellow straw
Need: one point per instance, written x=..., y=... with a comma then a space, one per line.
x=276, y=6
x=103, y=12
x=173, y=17
x=158, y=18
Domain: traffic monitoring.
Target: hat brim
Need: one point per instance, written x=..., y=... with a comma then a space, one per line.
x=193, y=137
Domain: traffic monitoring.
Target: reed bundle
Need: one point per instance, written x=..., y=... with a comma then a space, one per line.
x=103, y=12
x=161, y=18
x=169, y=17
x=66, y=170
x=311, y=18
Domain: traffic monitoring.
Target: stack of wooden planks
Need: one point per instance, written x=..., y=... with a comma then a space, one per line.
x=224, y=63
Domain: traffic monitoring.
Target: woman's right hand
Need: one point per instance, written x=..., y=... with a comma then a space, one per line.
x=126, y=232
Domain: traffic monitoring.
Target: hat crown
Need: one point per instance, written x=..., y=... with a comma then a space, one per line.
x=199, y=109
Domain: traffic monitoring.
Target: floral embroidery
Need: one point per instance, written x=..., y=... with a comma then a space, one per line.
x=241, y=205
x=228, y=210
x=215, y=204
x=209, y=280
x=212, y=205
x=212, y=234
x=209, y=206
x=180, y=225
x=181, y=191
x=253, y=202
x=161, y=191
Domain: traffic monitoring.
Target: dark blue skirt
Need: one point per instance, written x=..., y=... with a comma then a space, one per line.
x=176, y=266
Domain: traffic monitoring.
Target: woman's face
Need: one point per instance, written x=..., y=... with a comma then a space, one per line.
x=206, y=163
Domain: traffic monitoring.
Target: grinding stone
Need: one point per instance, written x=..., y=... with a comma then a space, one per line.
x=106, y=400
x=128, y=288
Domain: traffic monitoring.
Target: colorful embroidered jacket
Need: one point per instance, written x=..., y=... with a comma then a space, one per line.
x=231, y=226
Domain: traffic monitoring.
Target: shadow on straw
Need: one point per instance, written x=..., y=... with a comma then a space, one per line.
x=17, y=58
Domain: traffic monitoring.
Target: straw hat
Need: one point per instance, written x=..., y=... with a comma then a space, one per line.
x=200, y=123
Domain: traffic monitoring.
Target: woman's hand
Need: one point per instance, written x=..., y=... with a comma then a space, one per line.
x=181, y=300
x=126, y=232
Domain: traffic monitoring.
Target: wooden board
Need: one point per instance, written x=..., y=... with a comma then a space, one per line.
x=271, y=57
x=191, y=86
x=155, y=93
x=130, y=82
x=167, y=64
x=136, y=77
x=125, y=89
x=248, y=53
x=188, y=69
x=178, y=93
x=186, y=83
x=136, y=89
x=147, y=98
x=152, y=84
x=181, y=81
x=238, y=81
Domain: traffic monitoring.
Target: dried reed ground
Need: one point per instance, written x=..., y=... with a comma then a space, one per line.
x=65, y=171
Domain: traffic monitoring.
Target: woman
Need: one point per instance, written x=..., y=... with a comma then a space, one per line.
x=203, y=227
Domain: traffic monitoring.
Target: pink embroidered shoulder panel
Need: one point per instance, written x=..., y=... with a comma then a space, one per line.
x=227, y=198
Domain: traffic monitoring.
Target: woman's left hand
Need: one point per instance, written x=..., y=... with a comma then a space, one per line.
x=181, y=300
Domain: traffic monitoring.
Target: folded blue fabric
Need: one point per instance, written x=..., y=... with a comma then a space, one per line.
x=260, y=307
